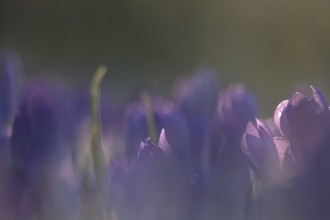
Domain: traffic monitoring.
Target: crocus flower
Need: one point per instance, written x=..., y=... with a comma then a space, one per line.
x=40, y=157
x=151, y=187
x=175, y=139
x=196, y=100
x=304, y=122
x=34, y=134
x=285, y=165
x=137, y=126
x=36, y=131
x=229, y=179
x=272, y=193
x=260, y=150
x=237, y=107
x=187, y=128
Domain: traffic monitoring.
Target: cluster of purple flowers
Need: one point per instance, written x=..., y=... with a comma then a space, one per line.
x=203, y=155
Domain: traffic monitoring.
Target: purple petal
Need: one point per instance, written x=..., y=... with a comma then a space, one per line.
x=251, y=129
x=251, y=146
x=10, y=86
x=308, y=126
x=319, y=98
x=236, y=108
x=300, y=113
x=258, y=146
x=268, y=139
x=263, y=126
x=136, y=128
x=37, y=138
x=280, y=118
x=178, y=136
x=198, y=95
x=196, y=100
x=284, y=152
x=296, y=99
x=148, y=150
x=163, y=144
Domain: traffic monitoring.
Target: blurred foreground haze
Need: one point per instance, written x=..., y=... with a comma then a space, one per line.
x=268, y=45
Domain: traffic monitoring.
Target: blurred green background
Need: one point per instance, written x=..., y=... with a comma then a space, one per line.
x=272, y=46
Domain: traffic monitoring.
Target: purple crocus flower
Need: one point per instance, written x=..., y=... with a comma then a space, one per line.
x=187, y=129
x=237, y=107
x=137, y=126
x=151, y=187
x=260, y=150
x=196, y=100
x=42, y=168
x=230, y=177
x=175, y=139
x=274, y=193
x=36, y=131
x=263, y=198
x=285, y=166
x=305, y=123
x=227, y=176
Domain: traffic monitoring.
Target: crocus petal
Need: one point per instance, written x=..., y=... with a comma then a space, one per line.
x=268, y=139
x=197, y=96
x=178, y=137
x=284, y=151
x=300, y=114
x=163, y=144
x=150, y=186
x=136, y=128
x=307, y=123
x=308, y=120
x=149, y=150
x=297, y=98
x=280, y=118
x=10, y=86
x=262, y=125
x=251, y=129
x=319, y=98
x=251, y=146
x=258, y=147
x=236, y=108
x=196, y=99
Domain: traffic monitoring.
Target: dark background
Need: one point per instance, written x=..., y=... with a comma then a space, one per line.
x=272, y=46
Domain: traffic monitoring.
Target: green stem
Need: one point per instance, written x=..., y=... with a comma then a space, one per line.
x=96, y=148
x=150, y=117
